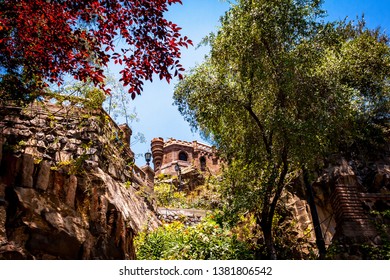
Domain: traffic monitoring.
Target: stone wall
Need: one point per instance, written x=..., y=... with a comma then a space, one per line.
x=189, y=217
x=67, y=185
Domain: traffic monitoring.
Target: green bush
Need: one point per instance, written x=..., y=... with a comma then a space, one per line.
x=204, y=241
x=202, y=197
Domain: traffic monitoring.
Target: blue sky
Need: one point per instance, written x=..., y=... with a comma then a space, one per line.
x=159, y=118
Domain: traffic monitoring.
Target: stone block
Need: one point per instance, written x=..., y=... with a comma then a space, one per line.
x=9, y=131
x=32, y=142
x=50, y=138
x=43, y=176
x=90, y=164
x=91, y=151
x=63, y=156
x=71, y=191
x=53, y=147
x=75, y=141
x=30, y=150
x=41, y=144
x=64, y=140
x=70, y=147
x=73, y=133
x=20, y=125
x=94, y=158
x=58, y=183
x=25, y=133
x=40, y=135
x=86, y=136
x=27, y=171
x=11, y=118
x=38, y=122
x=71, y=126
x=113, y=170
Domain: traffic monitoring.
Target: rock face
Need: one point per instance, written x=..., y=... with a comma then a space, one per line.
x=66, y=186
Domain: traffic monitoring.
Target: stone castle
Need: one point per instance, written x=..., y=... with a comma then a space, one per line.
x=183, y=154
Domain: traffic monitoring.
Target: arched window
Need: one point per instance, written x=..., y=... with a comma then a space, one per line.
x=202, y=162
x=183, y=156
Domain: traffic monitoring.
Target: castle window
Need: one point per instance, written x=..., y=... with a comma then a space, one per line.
x=202, y=162
x=183, y=156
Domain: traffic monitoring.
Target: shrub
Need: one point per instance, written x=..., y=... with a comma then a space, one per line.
x=204, y=241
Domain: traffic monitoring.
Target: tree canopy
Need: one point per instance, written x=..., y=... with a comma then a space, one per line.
x=280, y=90
x=41, y=41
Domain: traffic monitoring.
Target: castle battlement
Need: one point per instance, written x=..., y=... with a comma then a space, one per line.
x=194, y=144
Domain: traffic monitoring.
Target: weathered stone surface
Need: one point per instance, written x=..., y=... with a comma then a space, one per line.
x=40, y=135
x=50, y=138
x=91, y=164
x=10, y=251
x=189, y=217
x=9, y=131
x=381, y=182
x=91, y=151
x=62, y=156
x=38, y=122
x=73, y=141
x=113, y=170
x=27, y=171
x=63, y=140
x=73, y=134
x=25, y=133
x=41, y=144
x=43, y=175
x=71, y=191
x=68, y=206
x=95, y=225
x=53, y=147
x=70, y=147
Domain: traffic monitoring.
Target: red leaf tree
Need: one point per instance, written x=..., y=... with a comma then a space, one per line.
x=42, y=40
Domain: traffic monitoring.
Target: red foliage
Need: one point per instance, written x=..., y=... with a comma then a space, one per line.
x=50, y=38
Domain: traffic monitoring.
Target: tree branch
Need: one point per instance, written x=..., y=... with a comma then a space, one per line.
x=267, y=142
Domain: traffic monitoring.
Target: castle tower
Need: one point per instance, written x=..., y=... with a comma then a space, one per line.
x=157, y=152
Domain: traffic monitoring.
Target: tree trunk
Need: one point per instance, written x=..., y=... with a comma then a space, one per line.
x=269, y=243
x=316, y=221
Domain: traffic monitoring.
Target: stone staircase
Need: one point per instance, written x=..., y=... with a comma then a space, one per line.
x=351, y=218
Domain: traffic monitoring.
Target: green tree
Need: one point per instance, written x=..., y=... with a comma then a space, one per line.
x=275, y=97
x=43, y=41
